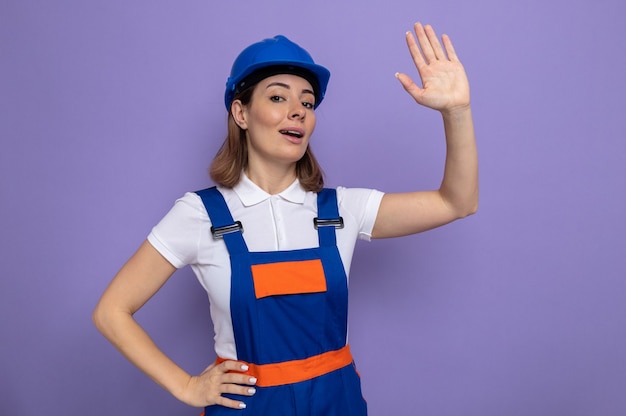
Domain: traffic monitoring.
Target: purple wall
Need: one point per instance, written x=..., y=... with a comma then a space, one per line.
x=110, y=110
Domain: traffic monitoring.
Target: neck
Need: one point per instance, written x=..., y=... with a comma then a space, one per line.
x=274, y=180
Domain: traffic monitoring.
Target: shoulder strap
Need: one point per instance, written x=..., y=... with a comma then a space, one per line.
x=328, y=218
x=223, y=225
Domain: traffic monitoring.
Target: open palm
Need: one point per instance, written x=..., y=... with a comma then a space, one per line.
x=444, y=83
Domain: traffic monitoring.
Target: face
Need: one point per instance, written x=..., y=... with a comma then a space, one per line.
x=279, y=119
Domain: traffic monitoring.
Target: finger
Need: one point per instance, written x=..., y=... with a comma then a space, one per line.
x=231, y=365
x=434, y=42
x=405, y=80
x=414, y=50
x=233, y=404
x=238, y=378
x=236, y=372
x=413, y=89
x=424, y=43
x=237, y=389
x=447, y=43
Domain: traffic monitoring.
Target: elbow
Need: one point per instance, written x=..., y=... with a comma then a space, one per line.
x=460, y=204
x=98, y=317
x=471, y=206
x=473, y=209
x=467, y=209
x=109, y=317
x=466, y=213
x=103, y=318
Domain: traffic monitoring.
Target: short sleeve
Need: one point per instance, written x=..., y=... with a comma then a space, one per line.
x=362, y=204
x=177, y=235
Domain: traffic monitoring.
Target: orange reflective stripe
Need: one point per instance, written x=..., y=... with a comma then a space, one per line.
x=289, y=277
x=288, y=372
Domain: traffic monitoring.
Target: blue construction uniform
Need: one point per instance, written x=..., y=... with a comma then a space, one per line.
x=290, y=324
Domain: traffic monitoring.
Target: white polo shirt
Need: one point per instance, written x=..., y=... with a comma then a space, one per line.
x=270, y=222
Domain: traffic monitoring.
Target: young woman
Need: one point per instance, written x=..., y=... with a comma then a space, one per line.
x=273, y=248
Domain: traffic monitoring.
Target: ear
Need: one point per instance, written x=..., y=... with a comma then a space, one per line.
x=238, y=111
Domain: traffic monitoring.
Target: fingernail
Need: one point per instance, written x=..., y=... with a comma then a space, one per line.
x=244, y=367
x=242, y=405
x=396, y=74
x=252, y=380
x=252, y=390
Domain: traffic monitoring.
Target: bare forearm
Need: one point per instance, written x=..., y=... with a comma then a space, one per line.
x=459, y=187
x=121, y=329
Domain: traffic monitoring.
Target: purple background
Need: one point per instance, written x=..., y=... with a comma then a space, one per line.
x=110, y=110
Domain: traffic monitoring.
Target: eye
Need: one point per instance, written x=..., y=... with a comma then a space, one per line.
x=308, y=105
x=276, y=98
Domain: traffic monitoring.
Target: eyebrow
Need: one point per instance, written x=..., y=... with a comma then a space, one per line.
x=282, y=84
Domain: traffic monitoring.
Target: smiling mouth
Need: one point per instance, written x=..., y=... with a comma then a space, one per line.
x=292, y=133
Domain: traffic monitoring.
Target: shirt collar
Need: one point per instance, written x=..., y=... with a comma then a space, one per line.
x=250, y=194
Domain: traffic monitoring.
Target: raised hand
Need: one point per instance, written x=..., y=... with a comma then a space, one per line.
x=444, y=83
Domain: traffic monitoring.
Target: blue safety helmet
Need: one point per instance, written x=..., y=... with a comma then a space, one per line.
x=277, y=55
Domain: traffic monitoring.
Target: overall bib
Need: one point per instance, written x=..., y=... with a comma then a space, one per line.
x=289, y=315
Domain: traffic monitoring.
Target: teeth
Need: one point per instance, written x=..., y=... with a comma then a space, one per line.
x=292, y=133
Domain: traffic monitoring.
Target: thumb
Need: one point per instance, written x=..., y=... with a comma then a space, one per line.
x=411, y=87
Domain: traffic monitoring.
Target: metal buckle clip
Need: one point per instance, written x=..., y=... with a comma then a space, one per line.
x=334, y=222
x=226, y=229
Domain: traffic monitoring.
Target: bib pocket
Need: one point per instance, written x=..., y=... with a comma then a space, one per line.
x=288, y=278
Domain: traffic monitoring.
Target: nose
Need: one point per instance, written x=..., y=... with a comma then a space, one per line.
x=297, y=112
